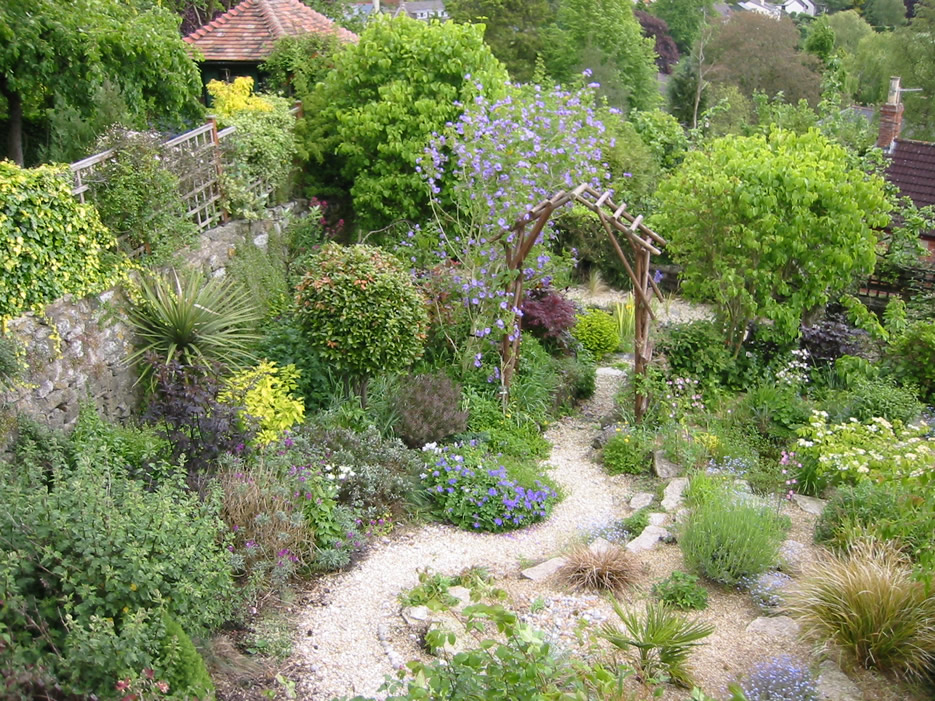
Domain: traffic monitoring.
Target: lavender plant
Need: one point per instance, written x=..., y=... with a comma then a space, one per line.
x=474, y=491
x=782, y=678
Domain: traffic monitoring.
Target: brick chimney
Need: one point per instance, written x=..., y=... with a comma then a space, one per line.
x=891, y=116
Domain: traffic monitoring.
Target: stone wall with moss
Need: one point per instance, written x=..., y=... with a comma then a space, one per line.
x=76, y=350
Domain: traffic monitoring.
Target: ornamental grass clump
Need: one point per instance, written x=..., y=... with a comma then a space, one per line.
x=598, y=569
x=726, y=539
x=867, y=603
x=474, y=491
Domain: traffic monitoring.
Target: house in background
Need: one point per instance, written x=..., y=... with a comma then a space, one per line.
x=911, y=165
x=424, y=10
x=238, y=41
x=775, y=11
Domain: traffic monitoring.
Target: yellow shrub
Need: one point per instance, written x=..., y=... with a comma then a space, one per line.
x=264, y=392
x=231, y=98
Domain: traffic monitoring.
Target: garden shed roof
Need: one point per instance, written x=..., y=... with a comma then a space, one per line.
x=248, y=30
x=912, y=169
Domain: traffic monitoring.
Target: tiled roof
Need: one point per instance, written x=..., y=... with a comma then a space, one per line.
x=248, y=30
x=912, y=170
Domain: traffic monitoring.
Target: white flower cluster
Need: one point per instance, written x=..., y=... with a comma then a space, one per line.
x=795, y=372
x=339, y=473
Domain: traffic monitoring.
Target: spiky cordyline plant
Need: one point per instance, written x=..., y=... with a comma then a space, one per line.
x=184, y=317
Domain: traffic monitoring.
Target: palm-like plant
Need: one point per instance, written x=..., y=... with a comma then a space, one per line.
x=663, y=639
x=195, y=321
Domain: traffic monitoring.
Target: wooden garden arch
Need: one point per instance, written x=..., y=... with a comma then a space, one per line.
x=644, y=242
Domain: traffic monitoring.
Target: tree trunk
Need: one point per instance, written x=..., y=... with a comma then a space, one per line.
x=14, y=125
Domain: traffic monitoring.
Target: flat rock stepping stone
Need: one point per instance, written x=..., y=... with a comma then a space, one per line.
x=792, y=556
x=658, y=519
x=449, y=623
x=672, y=496
x=641, y=500
x=834, y=685
x=663, y=467
x=462, y=594
x=810, y=505
x=648, y=539
x=774, y=626
x=543, y=570
x=415, y=615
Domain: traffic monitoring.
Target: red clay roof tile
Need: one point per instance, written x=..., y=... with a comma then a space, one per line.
x=248, y=30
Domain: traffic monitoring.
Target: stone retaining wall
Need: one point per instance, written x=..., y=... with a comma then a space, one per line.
x=77, y=349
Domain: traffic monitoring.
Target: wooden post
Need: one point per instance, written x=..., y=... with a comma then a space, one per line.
x=218, y=163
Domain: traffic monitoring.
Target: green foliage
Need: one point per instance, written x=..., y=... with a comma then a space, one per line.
x=664, y=136
x=663, y=639
x=266, y=394
x=513, y=29
x=258, y=156
x=849, y=28
x=886, y=511
x=297, y=63
x=911, y=55
x=182, y=316
x=361, y=311
x=726, y=539
x=696, y=349
x=95, y=561
x=912, y=357
x=867, y=603
x=885, y=14
x=577, y=380
x=854, y=451
x=622, y=61
x=136, y=193
x=820, y=39
x=596, y=330
x=475, y=491
x=63, y=56
x=682, y=591
x=429, y=409
x=685, y=19
x=629, y=453
x=877, y=397
x=188, y=676
x=264, y=274
x=515, y=435
x=787, y=222
x=52, y=245
x=10, y=365
x=374, y=114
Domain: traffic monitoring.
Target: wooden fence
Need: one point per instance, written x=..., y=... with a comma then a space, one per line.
x=199, y=185
x=908, y=283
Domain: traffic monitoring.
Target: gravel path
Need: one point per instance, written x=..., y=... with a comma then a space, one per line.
x=343, y=640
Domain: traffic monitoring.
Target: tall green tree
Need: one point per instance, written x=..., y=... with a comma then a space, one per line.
x=512, y=29
x=685, y=19
x=885, y=14
x=61, y=53
x=370, y=120
x=770, y=226
x=760, y=54
x=849, y=28
x=913, y=58
x=604, y=37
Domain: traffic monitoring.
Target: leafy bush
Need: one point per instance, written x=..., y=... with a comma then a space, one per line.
x=887, y=511
x=682, y=591
x=596, y=330
x=261, y=150
x=532, y=392
x=695, y=349
x=263, y=272
x=782, y=678
x=471, y=490
x=265, y=393
x=186, y=410
x=189, y=674
x=629, y=453
x=867, y=603
x=577, y=380
x=195, y=321
x=547, y=314
x=881, y=397
x=53, y=245
x=663, y=639
x=725, y=539
x=429, y=409
x=137, y=193
x=912, y=357
x=608, y=569
x=853, y=451
x=832, y=337
x=384, y=471
x=360, y=311
x=512, y=434
x=774, y=411
x=125, y=557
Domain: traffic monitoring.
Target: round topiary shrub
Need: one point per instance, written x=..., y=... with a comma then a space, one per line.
x=596, y=330
x=361, y=311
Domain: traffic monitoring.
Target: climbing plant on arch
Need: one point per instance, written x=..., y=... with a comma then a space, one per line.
x=643, y=244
